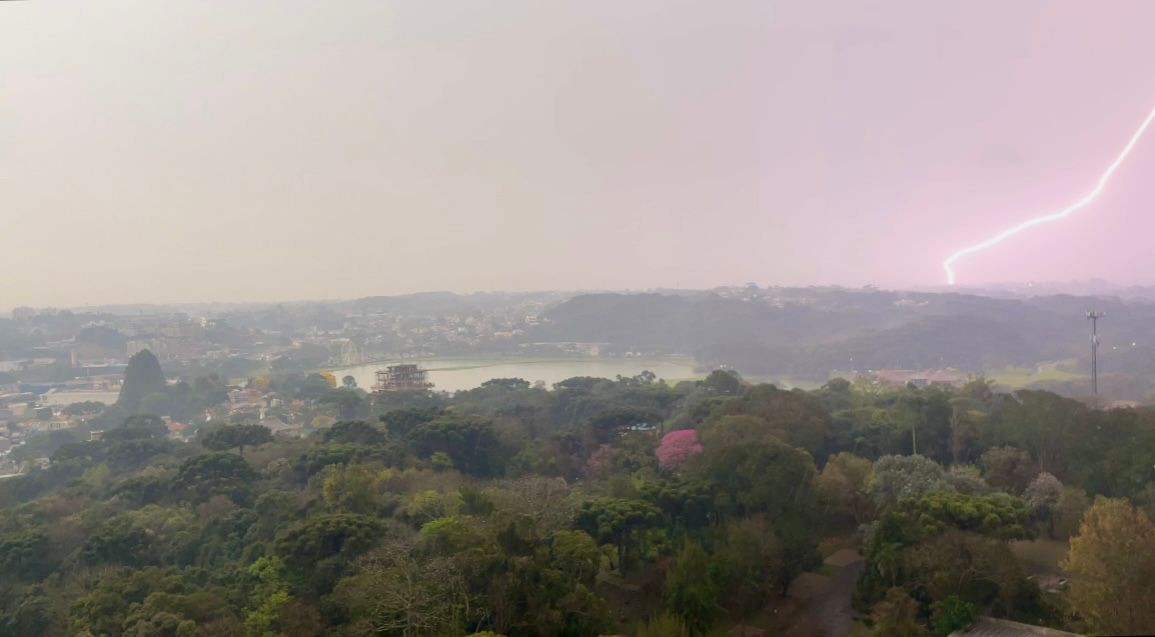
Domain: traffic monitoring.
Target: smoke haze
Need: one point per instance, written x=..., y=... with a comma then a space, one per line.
x=176, y=151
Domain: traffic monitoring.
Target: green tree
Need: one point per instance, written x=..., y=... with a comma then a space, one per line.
x=118, y=541
x=350, y=488
x=948, y=543
x=1008, y=468
x=316, y=552
x=115, y=591
x=132, y=454
x=313, y=387
x=770, y=478
x=1112, y=567
x=688, y=503
x=973, y=567
x=795, y=416
x=506, y=384
x=210, y=474
x=26, y=555
x=84, y=408
x=836, y=395
x=236, y=436
x=451, y=534
x=694, y=587
x=1042, y=496
x=140, y=427
x=401, y=422
x=609, y=424
x=897, y=616
x=1050, y=428
x=722, y=382
x=468, y=440
x=898, y=478
x=576, y=554
x=351, y=403
x=618, y=521
x=175, y=615
x=33, y=614
x=767, y=477
x=1073, y=502
x=996, y=515
x=208, y=391
x=354, y=432
x=752, y=562
x=396, y=590
x=952, y=614
x=927, y=414
x=842, y=487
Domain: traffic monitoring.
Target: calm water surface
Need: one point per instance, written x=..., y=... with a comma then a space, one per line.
x=454, y=374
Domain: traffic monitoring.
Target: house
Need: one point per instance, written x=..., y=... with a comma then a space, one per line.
x=176, y=430
x=991, y=627
x=280, y=427
x=918, y=378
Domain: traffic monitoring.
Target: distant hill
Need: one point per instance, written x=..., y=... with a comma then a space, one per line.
x=433, y=303
x=810, y=332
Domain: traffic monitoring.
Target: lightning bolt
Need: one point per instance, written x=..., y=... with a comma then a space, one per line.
x=1055, y=216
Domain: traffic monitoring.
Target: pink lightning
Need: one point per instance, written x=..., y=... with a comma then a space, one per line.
x=1055, y=216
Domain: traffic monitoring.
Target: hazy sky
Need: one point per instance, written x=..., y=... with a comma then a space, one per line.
x=162, y=150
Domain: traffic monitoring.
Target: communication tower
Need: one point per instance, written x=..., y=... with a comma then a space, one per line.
x=1094, y=317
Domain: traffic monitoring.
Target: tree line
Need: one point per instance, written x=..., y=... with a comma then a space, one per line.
x=596, y=506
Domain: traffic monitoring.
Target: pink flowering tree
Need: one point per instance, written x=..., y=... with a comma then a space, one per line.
x=677, y=447
x=601, y=461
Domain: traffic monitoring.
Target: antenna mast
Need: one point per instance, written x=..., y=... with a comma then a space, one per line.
x=1094, y=317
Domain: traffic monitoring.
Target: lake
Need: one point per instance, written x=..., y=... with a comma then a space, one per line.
x=455, y=374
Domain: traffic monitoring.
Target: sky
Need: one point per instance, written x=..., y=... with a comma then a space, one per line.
x=176, y=151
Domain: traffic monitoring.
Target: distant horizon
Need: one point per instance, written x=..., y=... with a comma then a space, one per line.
x=174, y=151
x=1046, y=287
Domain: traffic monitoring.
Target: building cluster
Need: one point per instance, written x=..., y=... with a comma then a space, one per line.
x=916, y=377
x=402, y=377
x=387, y=335
x=53, y=360
x=253, y=405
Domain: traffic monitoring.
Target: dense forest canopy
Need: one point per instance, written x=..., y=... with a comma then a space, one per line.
x=593, y=507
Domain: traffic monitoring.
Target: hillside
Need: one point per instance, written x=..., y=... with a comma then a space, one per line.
x=813, y=332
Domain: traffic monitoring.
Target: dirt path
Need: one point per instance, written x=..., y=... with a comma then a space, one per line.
x=828, y=613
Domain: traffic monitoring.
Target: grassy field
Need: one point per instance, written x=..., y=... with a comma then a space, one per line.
x=784, y=382
x=1016, y=377
x=1041, y=556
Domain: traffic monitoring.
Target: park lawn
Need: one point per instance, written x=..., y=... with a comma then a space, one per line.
x=1041, y=556
x=1017, y=377
x=785, y=382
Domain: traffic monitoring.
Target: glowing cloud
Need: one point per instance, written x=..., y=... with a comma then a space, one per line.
x=1055, y=216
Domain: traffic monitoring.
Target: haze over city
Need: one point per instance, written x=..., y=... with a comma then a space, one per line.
x=159, y=152
x=630, y=318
